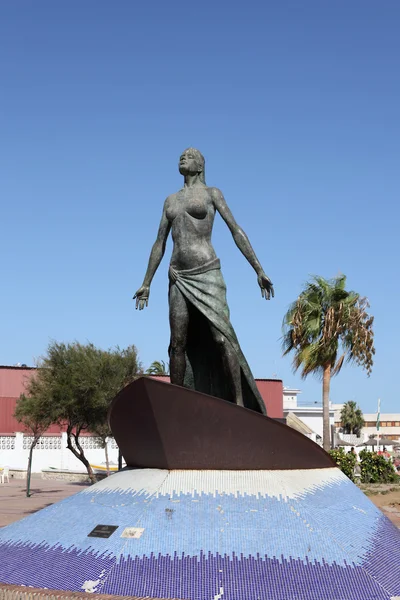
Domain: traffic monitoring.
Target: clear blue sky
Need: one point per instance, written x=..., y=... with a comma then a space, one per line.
x=295, y=106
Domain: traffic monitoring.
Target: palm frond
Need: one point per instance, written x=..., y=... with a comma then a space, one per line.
x=324, y=317
x=338, y=365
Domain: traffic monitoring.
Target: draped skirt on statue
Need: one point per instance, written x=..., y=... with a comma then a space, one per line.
x=205, y=293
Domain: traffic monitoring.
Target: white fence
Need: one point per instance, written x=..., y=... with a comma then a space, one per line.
x=52, y=451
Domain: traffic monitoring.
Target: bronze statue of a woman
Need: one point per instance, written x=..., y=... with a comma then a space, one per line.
x=204, y=352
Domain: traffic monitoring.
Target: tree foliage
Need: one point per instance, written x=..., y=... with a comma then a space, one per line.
x=375, y=468
x=119, y=368
x=352, y=418
x=326, y=326
x=346, y=461
x=158, y=367
x=75, y=385
x=32, y=413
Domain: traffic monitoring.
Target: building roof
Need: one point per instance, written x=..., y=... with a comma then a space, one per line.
x=22, y=366
x=340, y=442
x=382, y=442
x=295, y=423
x=383, y=417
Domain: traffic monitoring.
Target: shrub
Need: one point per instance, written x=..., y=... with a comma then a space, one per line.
x=376, y=468
x=346, y=461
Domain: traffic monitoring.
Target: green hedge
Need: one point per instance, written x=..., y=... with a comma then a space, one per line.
x=346, y=461
x=374, y=467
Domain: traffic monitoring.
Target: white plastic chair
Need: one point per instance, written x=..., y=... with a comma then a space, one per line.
x=4, y=475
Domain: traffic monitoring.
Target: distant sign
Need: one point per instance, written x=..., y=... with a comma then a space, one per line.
x=103, y=531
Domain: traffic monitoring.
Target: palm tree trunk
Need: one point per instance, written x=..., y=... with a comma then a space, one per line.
x=326, y=384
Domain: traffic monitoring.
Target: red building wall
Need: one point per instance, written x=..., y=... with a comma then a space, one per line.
x=12, y=384
x=271, y=391
x=13, y=381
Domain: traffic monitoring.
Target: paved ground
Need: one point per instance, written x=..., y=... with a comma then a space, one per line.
x=387, y=498
x=15, y=505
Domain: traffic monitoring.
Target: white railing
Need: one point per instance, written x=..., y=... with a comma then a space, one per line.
x=51, y=451
x=90, y=443
x=44, y=443
x=7, y=442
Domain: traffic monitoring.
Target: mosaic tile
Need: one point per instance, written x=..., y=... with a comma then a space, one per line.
x=211, y=534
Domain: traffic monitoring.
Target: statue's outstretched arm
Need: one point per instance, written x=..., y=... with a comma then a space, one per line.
x=243, y=243
x=157, y=252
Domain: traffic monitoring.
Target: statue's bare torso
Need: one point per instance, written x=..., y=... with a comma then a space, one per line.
x=190, y=213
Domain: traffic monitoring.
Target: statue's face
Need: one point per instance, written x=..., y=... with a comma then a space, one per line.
x=188, y=164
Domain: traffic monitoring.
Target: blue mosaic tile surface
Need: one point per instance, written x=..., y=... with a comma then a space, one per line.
x=211, y=535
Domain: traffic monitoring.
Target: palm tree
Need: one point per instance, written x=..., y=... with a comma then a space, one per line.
x=158, y=367
x=325, y=326
x=352, y=418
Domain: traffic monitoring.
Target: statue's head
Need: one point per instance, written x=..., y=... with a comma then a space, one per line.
x=192, y=162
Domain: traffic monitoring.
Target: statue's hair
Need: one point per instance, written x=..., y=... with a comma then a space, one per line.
x=200, y=161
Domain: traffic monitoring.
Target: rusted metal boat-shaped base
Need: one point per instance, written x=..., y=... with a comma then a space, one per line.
x=163, y=426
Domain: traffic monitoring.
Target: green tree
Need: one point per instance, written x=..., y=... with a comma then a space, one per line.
x=32, y=411
x=76, y=384
x=376, y=468
x=118, y=369
x=352, y=418
x=346, y=461
x=158, y=367
x=325, y=326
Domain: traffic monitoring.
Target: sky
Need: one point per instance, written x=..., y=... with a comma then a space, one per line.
x=295, y=106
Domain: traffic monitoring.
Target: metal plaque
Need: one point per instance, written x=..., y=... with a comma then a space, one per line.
x=103, y=531
x=132, y=532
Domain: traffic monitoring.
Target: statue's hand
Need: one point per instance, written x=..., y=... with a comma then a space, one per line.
x=142, y=297
x=267, y=289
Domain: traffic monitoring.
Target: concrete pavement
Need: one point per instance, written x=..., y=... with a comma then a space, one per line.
x=14, y=504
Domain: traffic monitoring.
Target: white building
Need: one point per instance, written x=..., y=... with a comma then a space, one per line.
x=389, y=425
x=309, y=414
